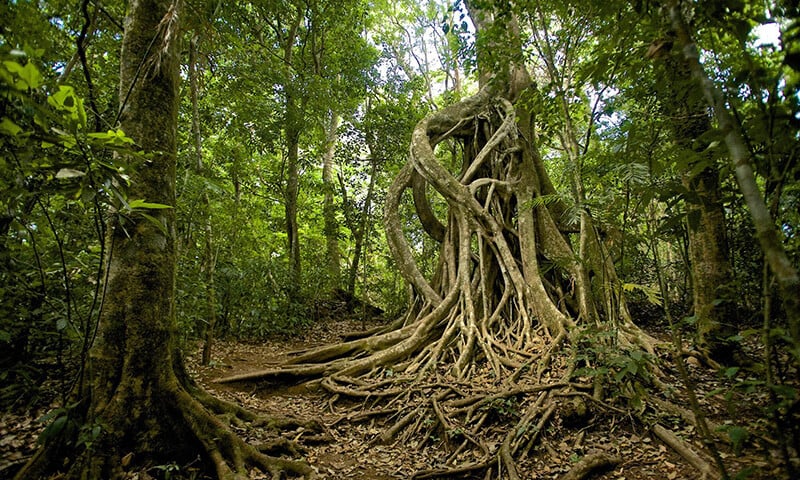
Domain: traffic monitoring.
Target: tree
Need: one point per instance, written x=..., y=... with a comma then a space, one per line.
x=334, y=267
x=135, y=404
x=785, y=272
x=509, y=297
x=711, y=273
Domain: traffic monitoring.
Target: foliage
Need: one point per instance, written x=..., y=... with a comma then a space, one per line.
x=57, y=177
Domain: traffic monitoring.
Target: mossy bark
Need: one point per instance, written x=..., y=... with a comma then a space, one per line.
x=769, y=237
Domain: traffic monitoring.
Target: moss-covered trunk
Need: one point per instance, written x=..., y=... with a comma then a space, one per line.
x=768, y=235
x=138, y=408
x=131, y=363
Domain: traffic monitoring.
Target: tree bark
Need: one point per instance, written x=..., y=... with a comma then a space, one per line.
x=292, y=129
x=207, y=259
x=292, y=191
x=360, y=232
x=711, y=272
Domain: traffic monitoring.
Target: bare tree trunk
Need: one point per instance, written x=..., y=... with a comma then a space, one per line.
x=292, y=191
x=361, y=230
x=207, y=259
x=328, y=206
x=292, y=126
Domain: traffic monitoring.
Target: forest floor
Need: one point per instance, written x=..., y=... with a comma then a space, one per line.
x=351, y=454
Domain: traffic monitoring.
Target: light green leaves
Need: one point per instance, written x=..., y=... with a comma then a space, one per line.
x=140, y=207
x=653, y=295
x=113, y=138
x=140, y=203
x=65, y=100
x=7, y=127
x=21, y=77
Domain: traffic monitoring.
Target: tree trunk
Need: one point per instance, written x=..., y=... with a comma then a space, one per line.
x=360, y=232
x=292, y=191
x=139, y=406
x=292, y=126
x=711, y=272
x=502, y=305
x=333, y=256
x=207, y=259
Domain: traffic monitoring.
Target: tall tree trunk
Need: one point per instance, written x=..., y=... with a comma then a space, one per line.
x=139, y=403
x=711, y=272
x=207, y=259
x=292, y=192
x=333, y=255
x=360, y=233
x=292, y=126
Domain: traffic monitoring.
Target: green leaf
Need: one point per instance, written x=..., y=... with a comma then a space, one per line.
x=652, y=294
x=53, y=430
x=61, y=324
x=69, y=173
x=65, y=99
x=28, y=74
x=738, y=436
x=155, y=222
x=115, y=138
x=731, y=372
x=7, y=127
x=140, y=203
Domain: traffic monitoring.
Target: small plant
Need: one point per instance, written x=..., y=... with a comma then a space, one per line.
x=168, y=470
x=625, y=371
x=59, y=422
x=505, y=407
x=88, y=435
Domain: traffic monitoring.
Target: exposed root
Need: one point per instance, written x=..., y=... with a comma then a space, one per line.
x=688, y=417
x=685, y=451
x=485, y=359
x=590, y=464
x=186, y=418
x=229, y=453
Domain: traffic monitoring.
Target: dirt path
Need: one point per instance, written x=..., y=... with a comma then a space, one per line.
x=349, y=456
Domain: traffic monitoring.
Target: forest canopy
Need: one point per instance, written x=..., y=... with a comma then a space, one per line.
x=550, y=212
